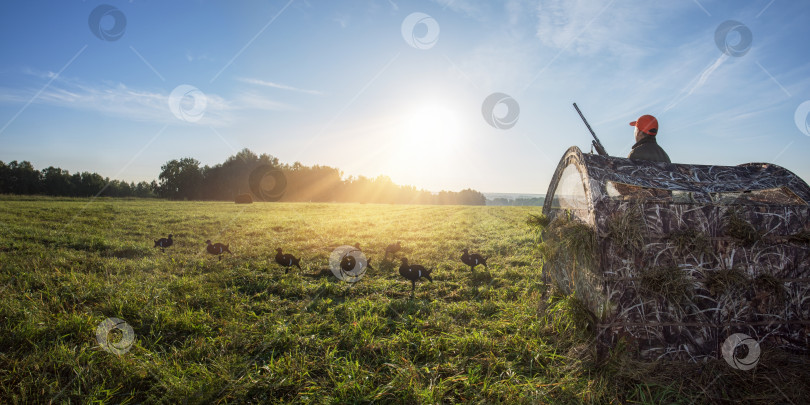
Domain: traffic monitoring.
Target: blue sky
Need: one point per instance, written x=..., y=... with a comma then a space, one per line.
x=337, y=83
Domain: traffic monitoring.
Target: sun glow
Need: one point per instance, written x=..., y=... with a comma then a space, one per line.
x=425, y=145
x=432, y=131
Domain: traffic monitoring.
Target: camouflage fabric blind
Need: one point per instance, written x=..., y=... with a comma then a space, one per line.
x=675, y=258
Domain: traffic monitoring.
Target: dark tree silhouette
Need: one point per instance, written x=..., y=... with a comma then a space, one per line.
x=229, y=179
x=22, y=178
x=181, y=179
x=56, y=181
x=184, y=179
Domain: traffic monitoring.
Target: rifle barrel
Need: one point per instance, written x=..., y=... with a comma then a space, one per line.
x=597, y=143
x=585, y=121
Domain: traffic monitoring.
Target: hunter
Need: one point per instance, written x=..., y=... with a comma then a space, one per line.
x=646, y=147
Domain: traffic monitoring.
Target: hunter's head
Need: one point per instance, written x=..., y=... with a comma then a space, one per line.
x=645, y=126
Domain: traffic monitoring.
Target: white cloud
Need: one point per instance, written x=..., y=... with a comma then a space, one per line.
x=260, y=82
x=117, y=99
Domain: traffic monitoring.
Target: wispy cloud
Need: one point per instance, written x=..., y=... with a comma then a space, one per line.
x=253, y=101
x=584, y=26
x=192, y=57
x=515, y=11
x=342, y=19
x=621, y=29
x=118, y=99
x=697, y=83
x=477, y=9
x=264, y=83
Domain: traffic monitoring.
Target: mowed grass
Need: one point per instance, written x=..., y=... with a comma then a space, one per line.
x=240, y=330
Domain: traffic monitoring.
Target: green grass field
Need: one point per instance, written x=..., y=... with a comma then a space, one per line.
x=240, y=330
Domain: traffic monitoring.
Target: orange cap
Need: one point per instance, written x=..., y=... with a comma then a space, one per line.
x=647, y=124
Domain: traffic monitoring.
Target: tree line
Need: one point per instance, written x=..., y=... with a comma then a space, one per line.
x=23, y=178
x=185, y=179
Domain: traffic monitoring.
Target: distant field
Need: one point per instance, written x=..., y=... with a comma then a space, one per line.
x=240, y=330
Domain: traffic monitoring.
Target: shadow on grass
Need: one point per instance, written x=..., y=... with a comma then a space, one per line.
x=127, y=252
x=387, y=266
x=319, y=274
x=479, y=278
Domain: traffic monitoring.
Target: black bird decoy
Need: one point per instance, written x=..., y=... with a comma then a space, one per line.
x=347, y=263
x=217, y=248
x=288, y=260
x=413, y=273
x=473, y=259
x=163, y=243
x=368, y=260
x=393, y=249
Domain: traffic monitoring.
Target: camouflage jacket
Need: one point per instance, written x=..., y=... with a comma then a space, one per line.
x=648, y=149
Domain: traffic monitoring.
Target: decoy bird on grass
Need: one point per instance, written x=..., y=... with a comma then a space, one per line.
x=217, y=248
x=473, y=259
x=392, y=249
x=347, y=263
x=413, y=273
x=163, y=243
x=288, y=260
x=368, y=260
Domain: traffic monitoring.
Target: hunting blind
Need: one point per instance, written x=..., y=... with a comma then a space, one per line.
x=674, y=258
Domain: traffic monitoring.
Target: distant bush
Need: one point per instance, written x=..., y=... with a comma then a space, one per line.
x=244, y=199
